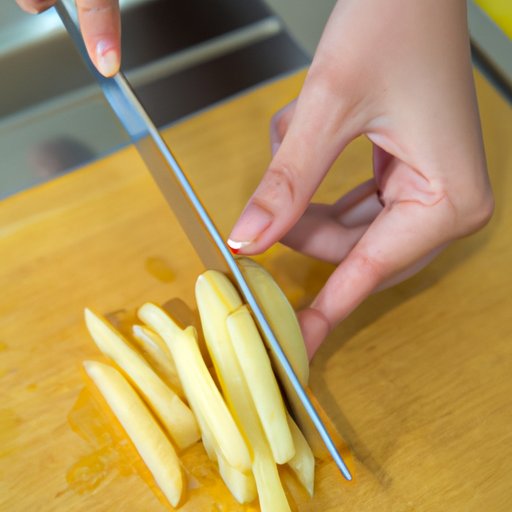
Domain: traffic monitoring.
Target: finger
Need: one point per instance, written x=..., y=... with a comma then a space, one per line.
x=402, y=239
x=319, y=129
x=329, y=232
x=359, y=206
x=320, y=235
x=35, y=6
x=101, y=29
x=279, y=125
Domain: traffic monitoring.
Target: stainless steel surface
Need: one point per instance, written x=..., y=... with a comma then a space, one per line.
x=189, y=210
x=53, y=116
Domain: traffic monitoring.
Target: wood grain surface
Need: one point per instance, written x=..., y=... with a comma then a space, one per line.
x=418, y=380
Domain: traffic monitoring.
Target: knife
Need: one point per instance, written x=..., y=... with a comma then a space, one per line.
x=191, y=214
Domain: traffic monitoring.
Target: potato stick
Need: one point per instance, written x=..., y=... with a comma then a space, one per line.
x=175, y=416
x=153, y=446
x=200, y=390
x=279, y=314
x=303, y=463
x=241, y=485
x=145, y=332
x=150, y=345
x=217, y=298
x=257, y=370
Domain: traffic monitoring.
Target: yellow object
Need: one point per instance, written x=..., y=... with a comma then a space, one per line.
x=500, y=11
x=303, y=462
x=216, y=299
x=176, y=417
x=154, y=448
x=279, y=314
x=202, y=394
x=257, y=370
x=158, y=356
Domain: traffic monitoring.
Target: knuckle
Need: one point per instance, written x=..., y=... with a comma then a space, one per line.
x=94, y=6
x=279, y=188
x=364, y=266
x=478, y=213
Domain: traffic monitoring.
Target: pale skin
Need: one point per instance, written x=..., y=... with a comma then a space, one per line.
x=399, y=73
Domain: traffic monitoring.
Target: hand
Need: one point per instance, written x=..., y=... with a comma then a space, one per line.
x=400, y=73
x=101, y=28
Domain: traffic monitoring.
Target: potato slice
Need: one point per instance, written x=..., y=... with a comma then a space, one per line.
x=202, y=394
x=262, y=384
x=216, y=298
x=241, y=485
x=303, y=463
x=175, y=416
x=279, y=314
x=285, y=326
x=158, y=356
x=153, y=446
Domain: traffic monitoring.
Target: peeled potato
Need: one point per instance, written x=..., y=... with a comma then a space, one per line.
x=175, y=416
x=279, y=314
x=216, y=298
x=204, y=397
x=262, y=384
x=153, y=446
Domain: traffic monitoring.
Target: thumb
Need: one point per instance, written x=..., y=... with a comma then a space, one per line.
x=319, y=130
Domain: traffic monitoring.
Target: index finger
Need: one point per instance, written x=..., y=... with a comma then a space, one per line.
x=100, y=23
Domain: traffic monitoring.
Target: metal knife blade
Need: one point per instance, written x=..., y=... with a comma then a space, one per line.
x=188, y=209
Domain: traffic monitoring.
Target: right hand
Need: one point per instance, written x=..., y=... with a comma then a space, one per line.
x=100, y=22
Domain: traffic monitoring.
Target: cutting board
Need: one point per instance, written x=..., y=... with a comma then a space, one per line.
x=418, y=380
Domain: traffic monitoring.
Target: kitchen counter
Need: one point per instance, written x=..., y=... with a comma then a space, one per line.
x=418, y=380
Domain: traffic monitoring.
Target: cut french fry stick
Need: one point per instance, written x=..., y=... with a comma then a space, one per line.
x=201, y=392
x=151, y=347
x=255, y=363
x=303, y=463
x=283, y=321
x=175, y=416
x=279, y=314
x=241, y=485
x=144, y=332
x=153, y=446
x=216, y=298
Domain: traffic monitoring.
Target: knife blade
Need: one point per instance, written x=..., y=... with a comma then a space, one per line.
x=188, y=209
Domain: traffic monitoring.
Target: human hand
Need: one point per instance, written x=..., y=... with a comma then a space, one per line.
x=399, y=73
x=101, y=29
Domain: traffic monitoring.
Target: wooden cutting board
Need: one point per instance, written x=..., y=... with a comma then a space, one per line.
x=418, y=379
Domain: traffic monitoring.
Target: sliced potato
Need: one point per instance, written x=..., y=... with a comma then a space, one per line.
x=160, y=359
x=175, y=416
x=285, y=325
x=202, y=394
x=241, y=485
x=153, y=446
x=303, y=463
x=216, y=298
x=262, y=384
x=279, y=314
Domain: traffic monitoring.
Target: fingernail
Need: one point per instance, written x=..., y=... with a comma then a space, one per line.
x=275, y=147
x=108, y=61
x=251, y=224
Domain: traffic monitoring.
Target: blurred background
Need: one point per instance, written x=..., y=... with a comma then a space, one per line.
x=180, y=57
